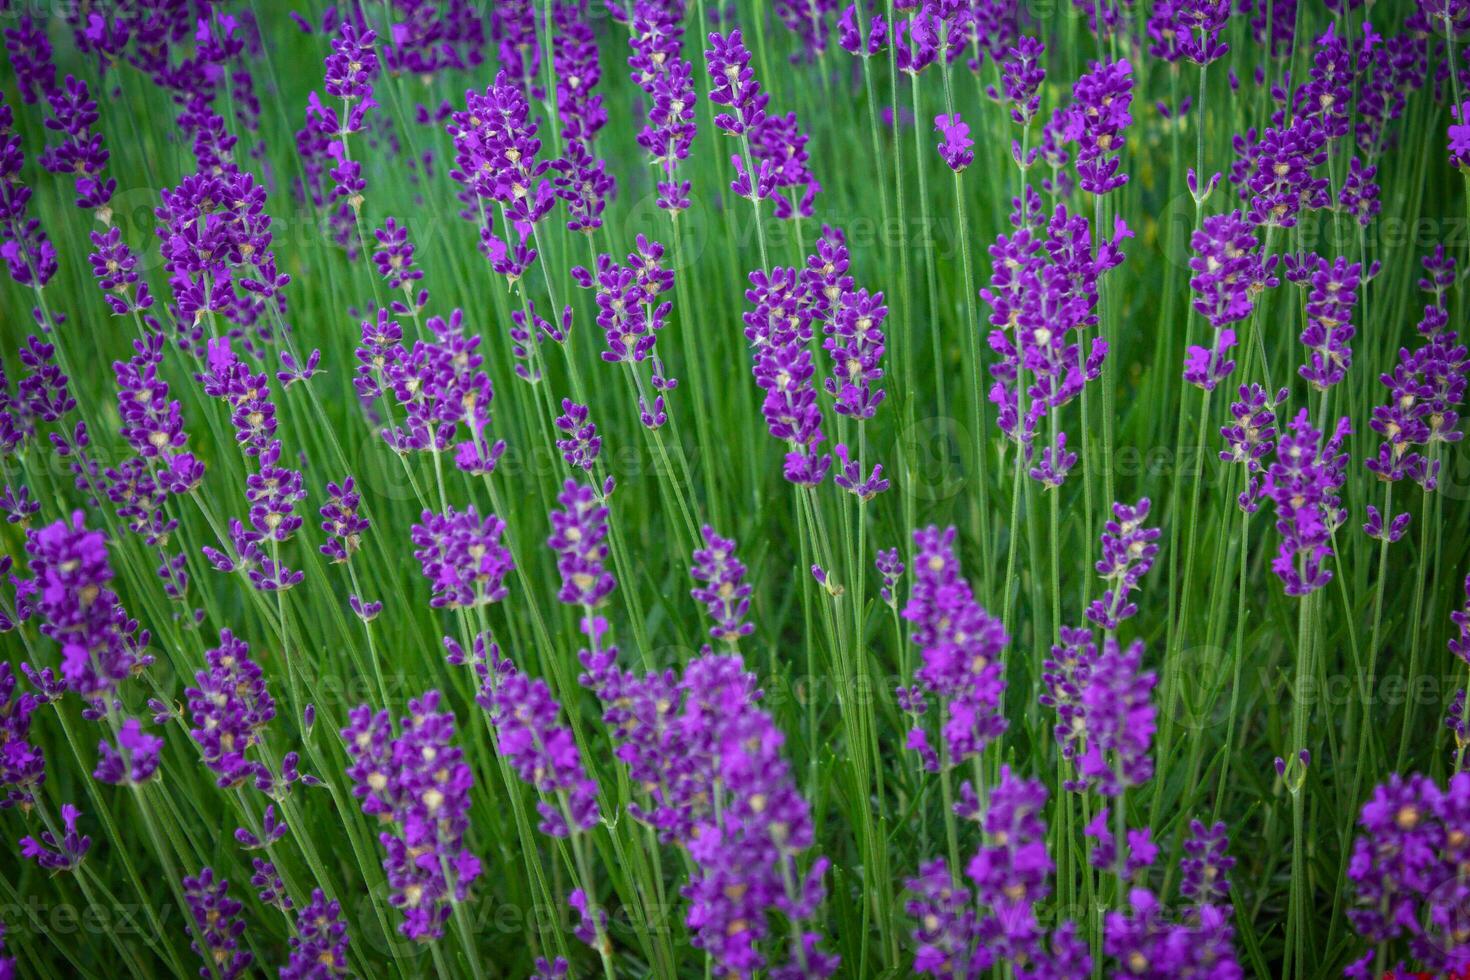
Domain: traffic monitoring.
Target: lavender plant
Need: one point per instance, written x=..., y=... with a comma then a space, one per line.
x=949, y=424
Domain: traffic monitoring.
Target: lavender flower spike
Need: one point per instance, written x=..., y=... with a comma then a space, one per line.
x=1128, y=552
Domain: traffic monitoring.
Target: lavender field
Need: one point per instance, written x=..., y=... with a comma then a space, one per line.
x=697, y=488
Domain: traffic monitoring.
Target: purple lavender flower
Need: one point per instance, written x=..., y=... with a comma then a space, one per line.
x=247, y=393
x=273, y=492
x=30, y=56
x=1120, y=719
x=1228, y=273
x=1460, y=644
x=861, y=32
x=219, y=924
x=579, y=538
x=243, y=553
x=1021, y=75
x=343, y=525
x=1011, y=871
x=631, y=315
x=393, y=257
x=1205, y=865
x=775, y=156
x=1146, y=944
x=419, y=782
x=746, y=856
x=64, y=854
x=24, y=246
x=722, y=588
x=1102, y=98
x=269, y=887
x=583, y=182
x=152, y=423
x=528, y=735
x=1333, y=292
x=1251, y=437
x=580, y=443
x=656, y=34
x=22, y=765
x=462, y=557
x=961, y=646
x=69, y=594
x=956, y=146
x=1406, y=868
x=1273, y=172
x=230, y=706
x=890, y=568
x=135, y=759
x=495, y=148
x=945, y=935
x=807, y=19
x=1188, y=29
x=319, y=948
x=779, y=329
x=1303, y=484
x=80, y=152
x=1128, y=552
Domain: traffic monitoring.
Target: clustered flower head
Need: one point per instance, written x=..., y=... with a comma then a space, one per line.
x=530, y=736
x=631, y=314
x=807, y=19
x=1188, y=29
x=216, y=241
x=1021, y=75
x=319, y=948
x=417, y=782
x=722, y=587
x=1332, y=293
x=1228, y=274
x=579, y=538
x=218, y=924
x=1128, y=552
x=462, y=557
x=1303, y=484
x=852, y=320
x=579, y=443
x=27, y=251
x=1101, y=115
x=495, y=148
x=862, y=32
x=22, y=764
x=1043, y=296
x=963, y=933
x=582, y=180
x=352, y=69
x=656, y=36
x=1119, y=719
x=438, y=383
x=956, y=146
x=779, y=330
x=1407, y=869
x=1274, y=172
x=787, y=303
x=746, y=855
x=1426, y=388
x=342, y=522
x=70, y=596
x=230, y=707
x=1250, y=437
x=58, y=853
x=709, y=761
x=960, y=645
x=774, y=156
